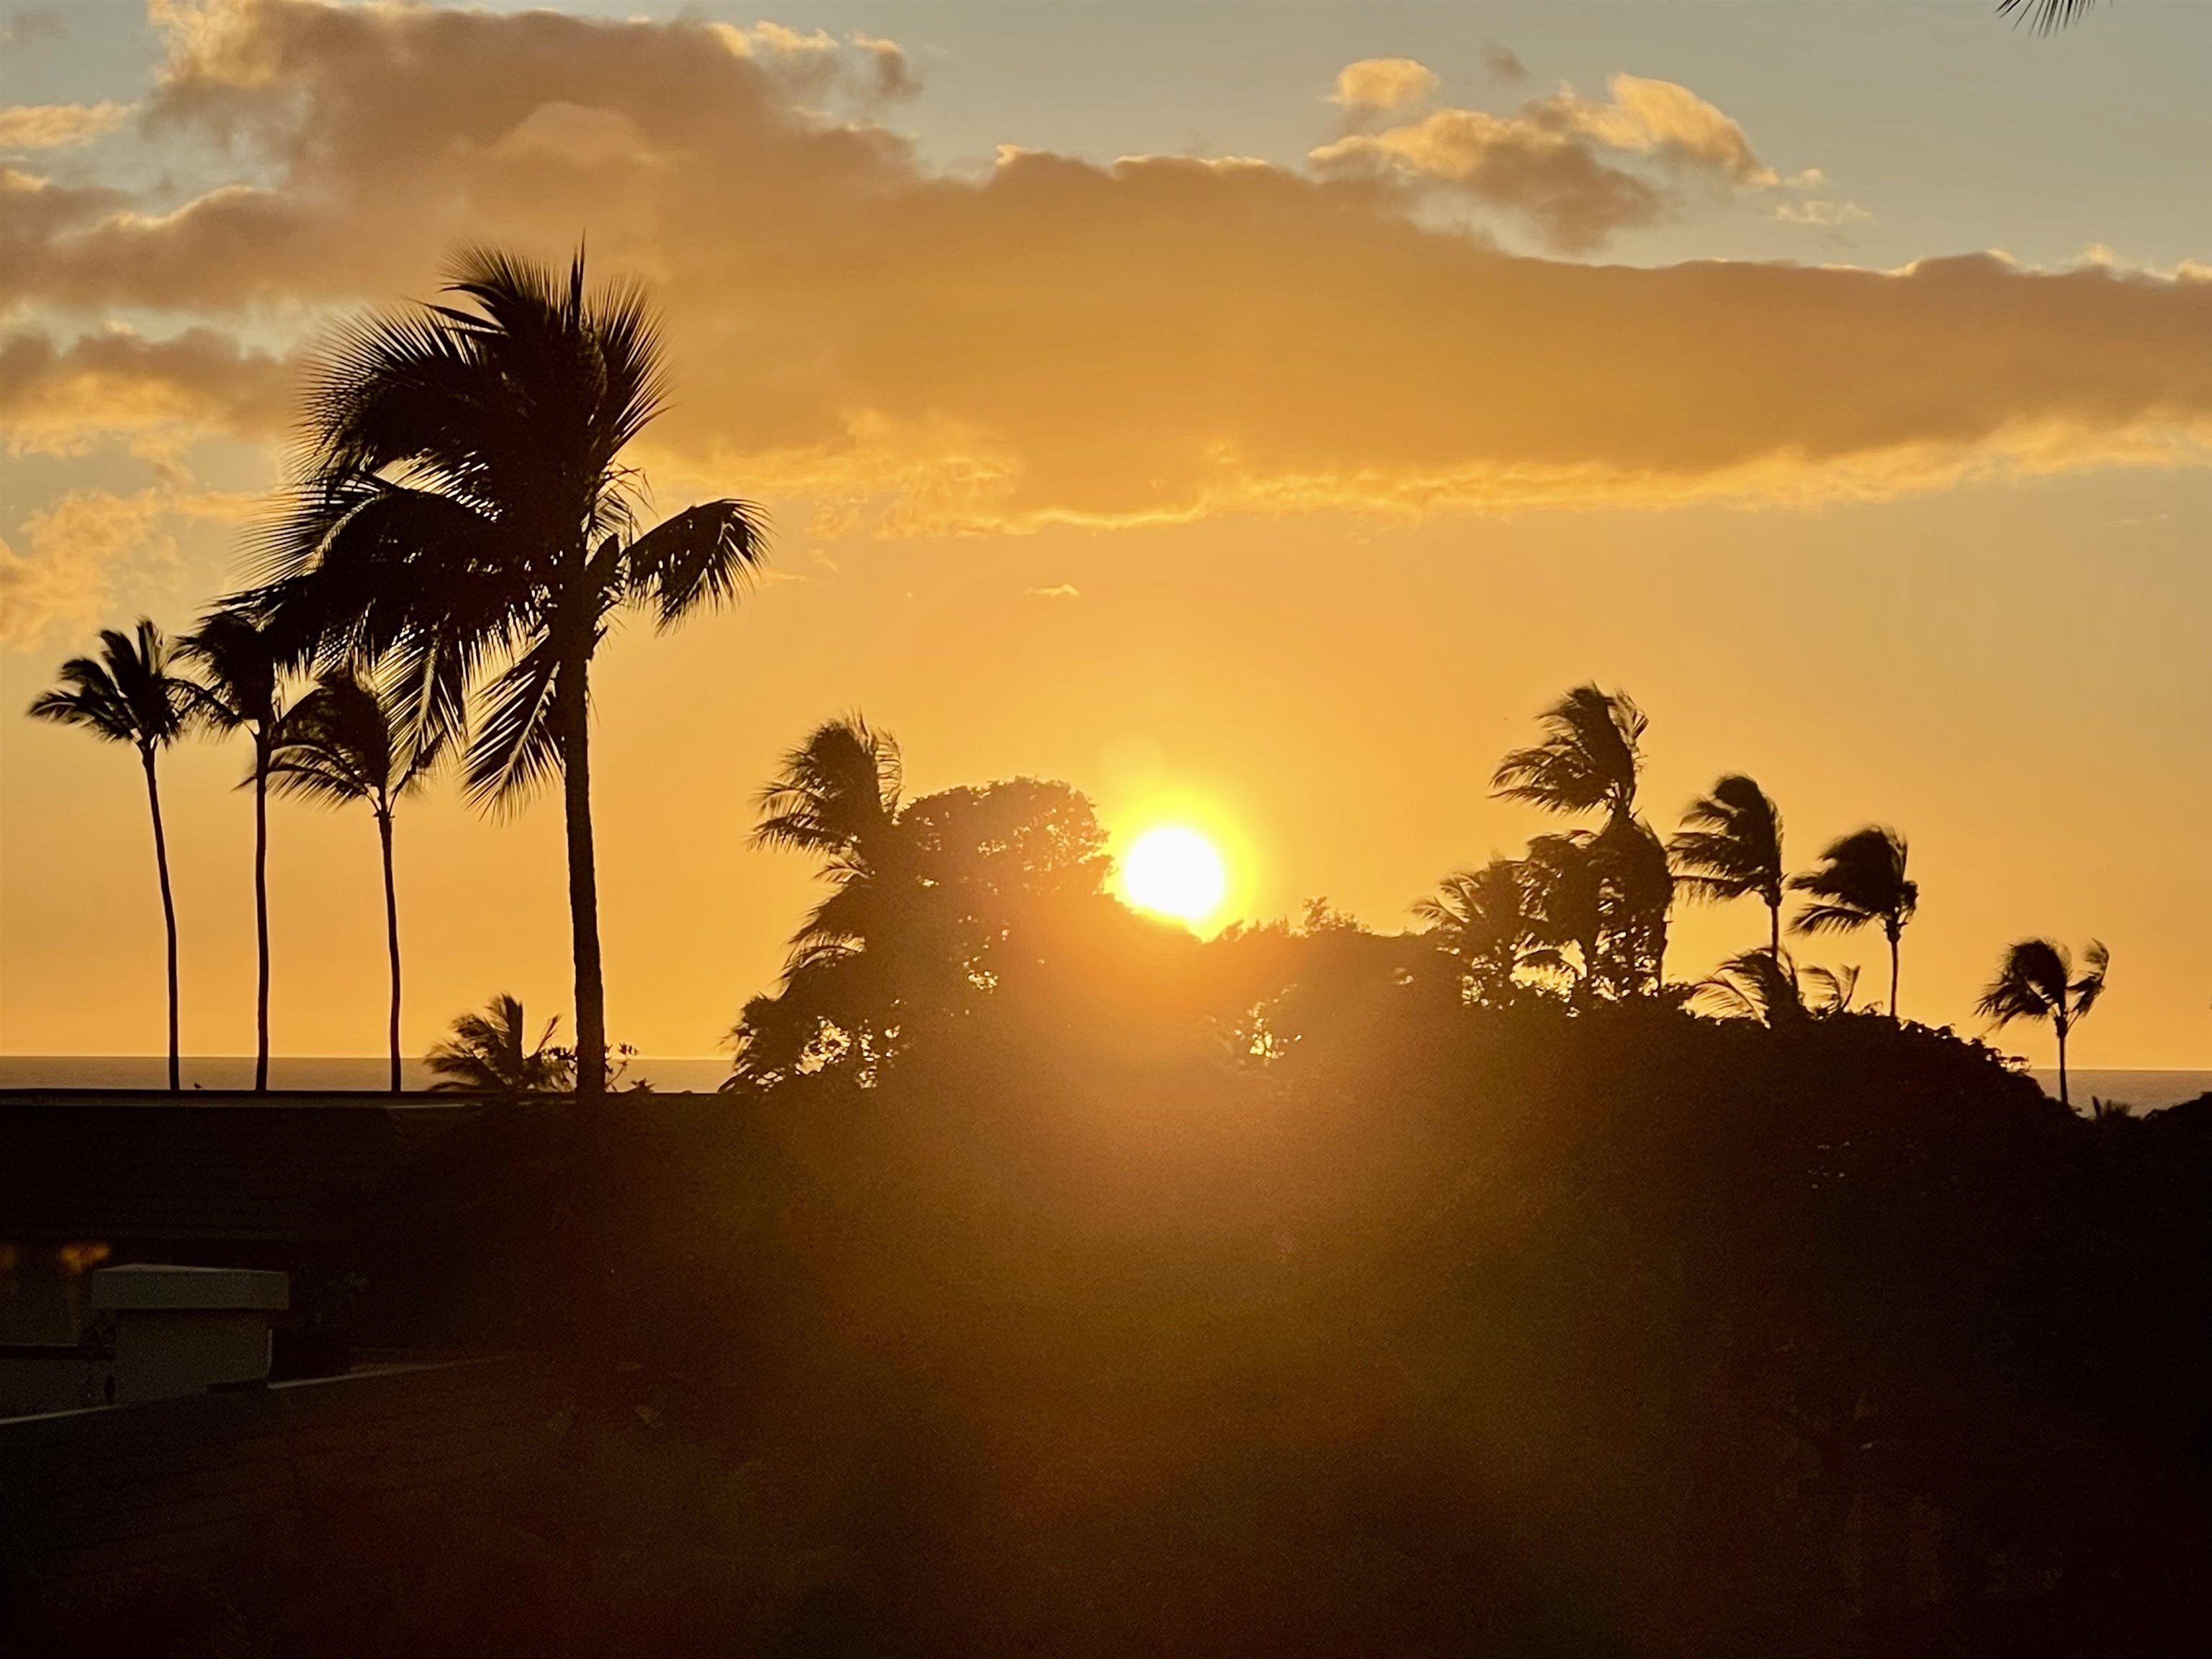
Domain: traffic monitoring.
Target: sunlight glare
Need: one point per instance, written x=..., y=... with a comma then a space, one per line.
x=1177, y=871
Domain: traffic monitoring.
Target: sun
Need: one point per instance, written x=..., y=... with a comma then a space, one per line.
x=1177, y=871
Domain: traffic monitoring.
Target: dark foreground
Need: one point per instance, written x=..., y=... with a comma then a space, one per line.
x=1496, y=1332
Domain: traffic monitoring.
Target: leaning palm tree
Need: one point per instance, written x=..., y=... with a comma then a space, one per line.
x=2036, y=981
x=128, y=694
x=346, y=741
x=1860, y=879
x=465, y=514
x=240, y=668
x=1588, y=759
x=490, y=1053
x=1729, y=847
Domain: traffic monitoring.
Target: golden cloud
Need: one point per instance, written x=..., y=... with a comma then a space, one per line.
x=1058, y=341
x=55, y=126
x=57, y=398
x=1381, y=85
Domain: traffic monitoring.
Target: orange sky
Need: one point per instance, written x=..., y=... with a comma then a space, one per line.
x=1282, y=490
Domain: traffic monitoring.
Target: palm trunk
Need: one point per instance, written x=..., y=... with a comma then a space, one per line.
x=2064, y=1099
x=1774, y=929
x=390, y=934
x=261, y=741
x=1893, y=974
x=583, y=878
x=168, y=913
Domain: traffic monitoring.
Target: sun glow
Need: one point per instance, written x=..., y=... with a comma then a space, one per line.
x=1177, y=871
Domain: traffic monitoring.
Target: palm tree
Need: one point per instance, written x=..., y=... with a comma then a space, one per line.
x=1730, y=845
x=1861, y=878
x=2036, y=981
x=128, y=694
x=241, y=666
x=1565, y=886
x=2045, y=16
x=1767, y=985
x=465, y=512
x=1588, y=759
x=1481, y=917
x=489, y=1054
x=346, y=742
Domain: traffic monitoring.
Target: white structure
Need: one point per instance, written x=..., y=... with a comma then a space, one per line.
x=183, y=1330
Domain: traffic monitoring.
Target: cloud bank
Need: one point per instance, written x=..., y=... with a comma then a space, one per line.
x=1054, y=340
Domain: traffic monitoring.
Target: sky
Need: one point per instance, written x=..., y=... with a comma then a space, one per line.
x=1252, y=414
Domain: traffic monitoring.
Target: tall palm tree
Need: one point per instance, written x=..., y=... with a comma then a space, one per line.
x=346, y=741
x=129, y=693
x=466, y=514
x=1860, y=879
x=241, y=666
x=490, y=1053
x=1588, y=761
x=2036, y=981
x=1730, y=846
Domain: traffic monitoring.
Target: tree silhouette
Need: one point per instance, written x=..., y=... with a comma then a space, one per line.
x=2036, y=981
x=1588, y=761
x=239, y=664
x=490, y=1053
x=346, y=741
x=1729, y=847
x=1767, y=985
x=1861, y=878
x=1565, y=897
x=2045, y=16
x=129, y=693
x=466, y=516
x=1482, y=918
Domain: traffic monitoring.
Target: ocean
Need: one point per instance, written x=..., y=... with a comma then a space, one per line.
x=2142, y=1091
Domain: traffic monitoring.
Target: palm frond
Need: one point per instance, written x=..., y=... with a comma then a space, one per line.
x=517, y=745
x=2045, y=16
x=702, y=555
x=1589, y=757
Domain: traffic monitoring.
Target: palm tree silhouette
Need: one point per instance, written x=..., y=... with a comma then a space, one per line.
x=239, y=666
x=1861, y=878
x=345, y=741
x=1588, y=761
x=1565, y=886
x=1481, y=917
x=490, y=1053
x=466, y=514
x=128, y=694
x=1767, y=985
x=1730, y=845
x=2036, y=981
x=2045, y=16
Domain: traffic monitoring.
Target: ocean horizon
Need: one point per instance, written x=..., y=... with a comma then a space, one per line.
x=2141, y=1089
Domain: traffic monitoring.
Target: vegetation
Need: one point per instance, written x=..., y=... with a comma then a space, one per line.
x=347, y=741
x=239, y=667
x=1860, y=879
x=466, y=522
x=2037, y=982
x=130, y=694
x=491, y=1053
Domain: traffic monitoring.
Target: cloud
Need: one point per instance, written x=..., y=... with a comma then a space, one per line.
x=1577, y=169
x=57, y=398
x=1056, y=341
x=1058, y=591
x=53, y=126
x=76, y=544
x=1819, y=212
x=1381, y=85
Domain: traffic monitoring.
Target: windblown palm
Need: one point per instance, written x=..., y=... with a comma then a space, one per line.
x=1482, y=917
x=347, y=742
x=1588, y=761
x=1860, y=879
x=240, y=667
x=1729, y=847
x=490, y=1053
x=467, y=517
x=128, y=694
x=837, y=797
x=1767, y=985
x=2036, y=980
